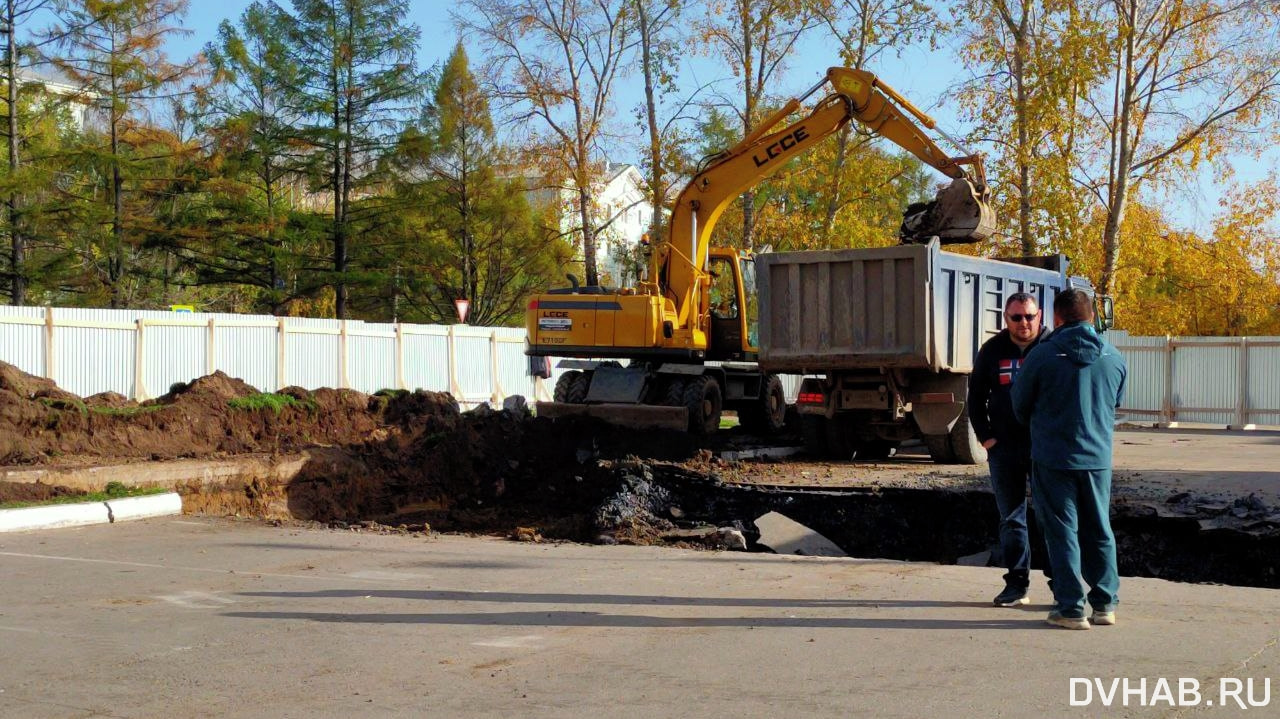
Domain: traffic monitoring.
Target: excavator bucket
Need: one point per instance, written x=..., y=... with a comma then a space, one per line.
x=960, y=213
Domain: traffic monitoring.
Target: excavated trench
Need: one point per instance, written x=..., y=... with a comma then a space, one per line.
x=413, y=460
x=579, y=480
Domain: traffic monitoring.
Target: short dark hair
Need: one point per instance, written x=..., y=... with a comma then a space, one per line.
x=1073, y=305
x=1020, y=297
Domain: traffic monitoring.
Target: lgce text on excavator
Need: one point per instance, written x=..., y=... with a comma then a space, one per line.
x=688, y=330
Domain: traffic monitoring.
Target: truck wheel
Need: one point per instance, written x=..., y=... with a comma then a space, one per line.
x=877, y=449
x=813, y=428
x=768, y=413
x=940, y=448
x=964, y=443
x=564, y=384
x=841, y=444
x=703, y=400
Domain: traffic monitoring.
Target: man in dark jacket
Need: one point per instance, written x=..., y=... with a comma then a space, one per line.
x=1008, y=441
x=1068, y=392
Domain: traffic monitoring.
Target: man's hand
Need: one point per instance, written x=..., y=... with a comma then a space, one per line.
x=989, y=443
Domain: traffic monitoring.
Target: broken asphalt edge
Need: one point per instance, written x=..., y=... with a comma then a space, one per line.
x=85, y=513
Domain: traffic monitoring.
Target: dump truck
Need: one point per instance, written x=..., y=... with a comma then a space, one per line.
x=886, y=338
x=687, y=332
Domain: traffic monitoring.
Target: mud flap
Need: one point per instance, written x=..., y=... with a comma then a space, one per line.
x=635, y=416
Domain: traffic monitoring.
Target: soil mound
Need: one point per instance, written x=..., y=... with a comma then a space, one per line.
x=211, y=417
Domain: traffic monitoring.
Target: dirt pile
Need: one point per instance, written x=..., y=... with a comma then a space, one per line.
x=212, y=416
x=489, y=470
x=394, y=457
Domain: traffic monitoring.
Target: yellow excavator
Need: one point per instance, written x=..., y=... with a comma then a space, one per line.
x=688, y=329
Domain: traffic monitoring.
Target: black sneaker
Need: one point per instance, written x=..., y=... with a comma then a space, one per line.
x=1012, y=596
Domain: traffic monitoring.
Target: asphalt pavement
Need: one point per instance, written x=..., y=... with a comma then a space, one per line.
x=200, y=617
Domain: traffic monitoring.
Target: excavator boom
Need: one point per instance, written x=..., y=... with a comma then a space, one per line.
x=960, y=213
x=667, y=326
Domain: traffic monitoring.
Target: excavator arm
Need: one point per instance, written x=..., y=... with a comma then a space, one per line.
x=961, y=212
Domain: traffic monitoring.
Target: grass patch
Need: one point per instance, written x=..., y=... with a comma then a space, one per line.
x=114, y=490
x=728, y=422
x=266, y=400
x=66, y=404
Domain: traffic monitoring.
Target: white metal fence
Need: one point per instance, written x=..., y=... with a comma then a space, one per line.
x=1233, y=381
x=140, y=354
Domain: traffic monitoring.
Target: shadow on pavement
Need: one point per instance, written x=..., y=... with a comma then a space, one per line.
x=444, y=595
x=596, y=619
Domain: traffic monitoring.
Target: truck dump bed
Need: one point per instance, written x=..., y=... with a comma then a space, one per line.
x=910, y=306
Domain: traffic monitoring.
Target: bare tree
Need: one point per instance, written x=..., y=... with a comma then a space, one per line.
x=552, y=66
x=1188, y=81
x=659, y=41
x=755, y=37
x=865, y=29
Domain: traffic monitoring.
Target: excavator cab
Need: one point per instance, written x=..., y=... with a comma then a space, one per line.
x=732, y=318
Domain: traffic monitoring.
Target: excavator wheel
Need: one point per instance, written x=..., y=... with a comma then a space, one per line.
x=704, y=401
x=768, y=413
x=561, y=393
x=673, y=393
x=572, y=387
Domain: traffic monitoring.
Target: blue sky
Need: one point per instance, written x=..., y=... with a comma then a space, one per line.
x=920, y=75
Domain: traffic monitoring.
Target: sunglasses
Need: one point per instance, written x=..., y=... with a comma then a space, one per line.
x=1030, y=317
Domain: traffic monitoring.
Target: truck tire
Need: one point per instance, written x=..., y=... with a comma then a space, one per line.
x=564, y=386
x=965, y=446
x=704, y=401
x=940, y=448
x=841, y=443
x=813, y=428
x=877, y=449
x=766, y=414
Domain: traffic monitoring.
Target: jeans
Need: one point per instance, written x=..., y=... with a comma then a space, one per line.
x=1010, y=467
x=1074, y=508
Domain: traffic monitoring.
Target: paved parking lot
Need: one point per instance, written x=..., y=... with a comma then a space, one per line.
x=196, y=617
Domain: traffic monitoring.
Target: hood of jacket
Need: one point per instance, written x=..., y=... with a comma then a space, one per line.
x=1078, y=342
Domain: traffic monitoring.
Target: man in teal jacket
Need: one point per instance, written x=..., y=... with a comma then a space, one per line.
x=1067, y=392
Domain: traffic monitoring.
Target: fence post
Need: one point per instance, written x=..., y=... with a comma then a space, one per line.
x=1166, y=408
x=1242, y=397
x=139, y=359
x=496, y=394
x=342, y=357
x=454, y=388
x=400, y=356
x=280, y=345
x=210, y=355
x=48, y=343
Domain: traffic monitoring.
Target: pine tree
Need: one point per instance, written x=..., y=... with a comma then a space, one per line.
x=478, y=240
x=357, y=84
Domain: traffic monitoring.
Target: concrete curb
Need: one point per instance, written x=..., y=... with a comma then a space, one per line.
x=76, y=515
